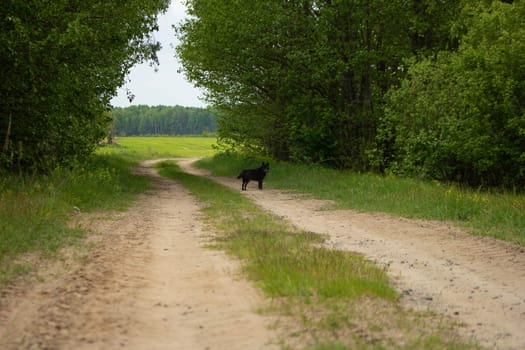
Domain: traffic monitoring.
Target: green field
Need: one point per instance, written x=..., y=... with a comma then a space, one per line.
x=140, y=148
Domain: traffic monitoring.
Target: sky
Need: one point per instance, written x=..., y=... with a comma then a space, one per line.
x=166, y=86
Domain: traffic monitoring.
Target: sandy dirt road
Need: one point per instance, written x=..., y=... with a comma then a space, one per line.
x=478, y=281
x=148, y=282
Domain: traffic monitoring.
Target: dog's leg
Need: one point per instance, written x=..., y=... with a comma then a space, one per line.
x=260, y=184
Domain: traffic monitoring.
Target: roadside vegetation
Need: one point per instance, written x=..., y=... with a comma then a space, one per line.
x=327, y=299
x=62, y=63
x=35, y=211
x=499, y=214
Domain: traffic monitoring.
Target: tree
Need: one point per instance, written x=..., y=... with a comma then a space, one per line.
x=61, y=63
x=302, y=80
x=461, y=117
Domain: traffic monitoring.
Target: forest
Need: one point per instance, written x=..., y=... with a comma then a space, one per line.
x=162, y=120
x=431, y=89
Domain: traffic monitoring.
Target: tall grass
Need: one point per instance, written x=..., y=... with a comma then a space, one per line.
x=337, y=300
x=35, y=211
x=491, y=213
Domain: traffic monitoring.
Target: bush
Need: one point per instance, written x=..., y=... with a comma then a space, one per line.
x=460, y=117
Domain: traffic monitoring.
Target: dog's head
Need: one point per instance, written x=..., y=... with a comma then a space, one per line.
x=265, y=167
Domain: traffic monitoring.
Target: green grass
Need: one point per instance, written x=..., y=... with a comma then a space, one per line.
x=495, y=214
x=35, y=211
x=338, y=300
x=141, y=148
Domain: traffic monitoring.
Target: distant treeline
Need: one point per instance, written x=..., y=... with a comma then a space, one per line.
x=163, y=120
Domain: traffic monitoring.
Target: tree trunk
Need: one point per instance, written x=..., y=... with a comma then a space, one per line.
x=7, y=134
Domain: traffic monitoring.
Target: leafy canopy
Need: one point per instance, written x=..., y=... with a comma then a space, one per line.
x=61, y=63
x=305, y=80
x=461, y=116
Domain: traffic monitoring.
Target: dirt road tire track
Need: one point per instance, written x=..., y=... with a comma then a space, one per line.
x=149, y=283
x=478, y=281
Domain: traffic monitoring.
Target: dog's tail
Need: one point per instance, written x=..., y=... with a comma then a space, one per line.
x=240, y=175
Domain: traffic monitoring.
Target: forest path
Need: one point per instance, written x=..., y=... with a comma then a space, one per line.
x=478, y=281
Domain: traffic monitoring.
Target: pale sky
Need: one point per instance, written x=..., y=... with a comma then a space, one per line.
x=166, y=86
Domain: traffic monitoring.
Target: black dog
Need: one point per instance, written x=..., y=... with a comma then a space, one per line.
x=254, y=174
